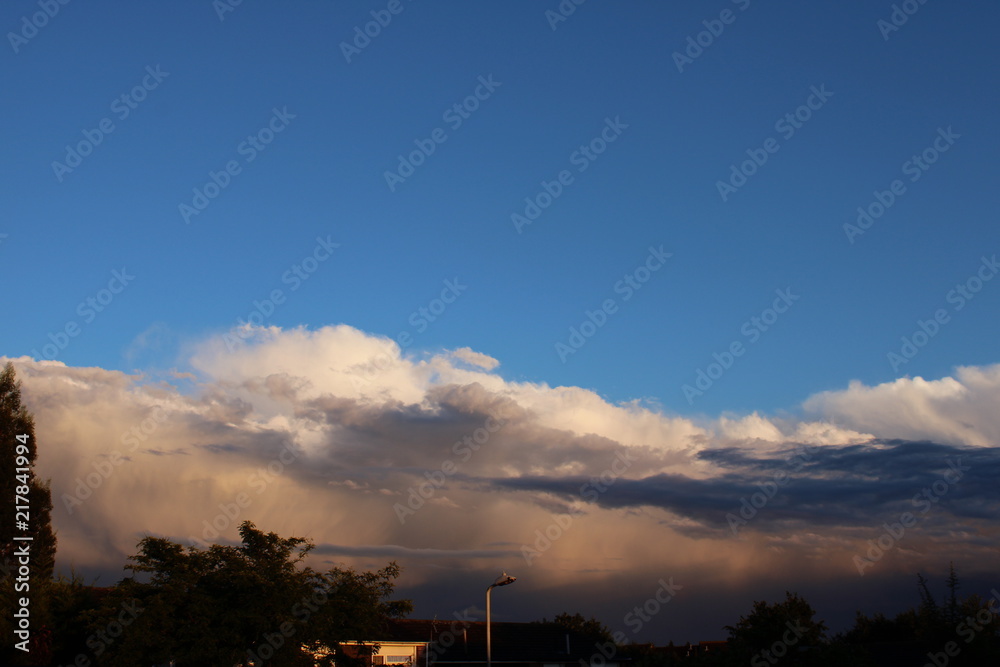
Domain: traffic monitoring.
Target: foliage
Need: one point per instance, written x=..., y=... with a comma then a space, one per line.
x=228, y=605
x=15, y=421
x=591, y=628
x=72, y=603
x=789, y=623
x=969, y=623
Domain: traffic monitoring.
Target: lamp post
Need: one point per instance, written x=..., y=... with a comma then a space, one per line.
x=502, y=580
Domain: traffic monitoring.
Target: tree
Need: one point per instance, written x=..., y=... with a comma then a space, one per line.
x=592, y=628
x=927, y=621
x=18, y=453
x=969, y=625
x=72, y=604
x=228, y=605
x=776, y=633
x=953, y=587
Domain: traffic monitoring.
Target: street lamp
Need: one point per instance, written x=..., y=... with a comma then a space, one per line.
x=502, y=580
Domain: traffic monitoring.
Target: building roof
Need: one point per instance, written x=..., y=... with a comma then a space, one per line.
x=465, y=641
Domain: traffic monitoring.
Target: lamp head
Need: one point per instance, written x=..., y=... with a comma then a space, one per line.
x=504, y=579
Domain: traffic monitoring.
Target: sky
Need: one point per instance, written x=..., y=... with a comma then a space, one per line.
x=652, y=259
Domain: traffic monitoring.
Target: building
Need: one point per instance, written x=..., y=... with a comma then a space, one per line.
x=459, y=643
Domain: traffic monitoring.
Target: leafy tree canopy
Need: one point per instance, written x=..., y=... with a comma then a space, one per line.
x=778, y=632
x=592, y=628
x=232, y=605
x=18, y=484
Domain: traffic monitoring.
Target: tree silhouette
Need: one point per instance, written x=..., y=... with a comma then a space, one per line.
x=230, y=605
x=776, y=633
x=591, y=628
x=953, y=587
x=18, y=453
x=971, y=626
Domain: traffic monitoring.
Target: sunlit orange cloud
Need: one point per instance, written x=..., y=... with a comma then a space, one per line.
x=440, y=463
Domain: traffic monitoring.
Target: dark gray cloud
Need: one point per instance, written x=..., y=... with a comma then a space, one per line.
x=849, y=486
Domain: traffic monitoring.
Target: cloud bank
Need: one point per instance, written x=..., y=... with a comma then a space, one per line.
x=440, y=463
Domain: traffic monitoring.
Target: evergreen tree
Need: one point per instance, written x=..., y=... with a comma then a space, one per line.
x=953, y=587
x=929, y=620
x=18, y=483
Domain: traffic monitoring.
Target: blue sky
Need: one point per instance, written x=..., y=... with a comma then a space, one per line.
x=313, y=216
x=655, y=185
